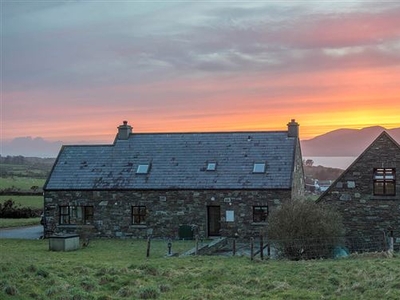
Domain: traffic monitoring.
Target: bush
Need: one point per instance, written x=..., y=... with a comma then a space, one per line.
x=148, y=292
x=10, y=210
x=305, y=230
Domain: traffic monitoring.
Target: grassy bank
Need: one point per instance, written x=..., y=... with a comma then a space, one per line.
x=119, y=269
x=6, y=223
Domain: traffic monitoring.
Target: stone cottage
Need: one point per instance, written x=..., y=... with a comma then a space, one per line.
x=367, y=195
x=174, y=184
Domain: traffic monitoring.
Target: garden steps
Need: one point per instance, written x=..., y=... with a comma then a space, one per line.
x=208, y=248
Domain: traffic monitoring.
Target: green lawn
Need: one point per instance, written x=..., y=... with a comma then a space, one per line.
x=119, y=269
x=21, y=183
x=6, y=223
x=25, y=201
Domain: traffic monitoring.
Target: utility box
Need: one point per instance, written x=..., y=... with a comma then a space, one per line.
x=64, y=242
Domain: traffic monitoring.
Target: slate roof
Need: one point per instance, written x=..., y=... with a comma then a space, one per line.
x=178, y=161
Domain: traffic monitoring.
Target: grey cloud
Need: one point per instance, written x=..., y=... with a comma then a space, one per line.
x=135, y=44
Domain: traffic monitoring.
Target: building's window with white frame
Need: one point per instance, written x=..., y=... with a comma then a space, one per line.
x=259, y=167
x=139, y=215
x=384, y=181
x=76, y=215
x=260, y=214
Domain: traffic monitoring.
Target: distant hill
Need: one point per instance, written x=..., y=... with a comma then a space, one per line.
x=31, y=147
x=345, y=142
x=341, y=142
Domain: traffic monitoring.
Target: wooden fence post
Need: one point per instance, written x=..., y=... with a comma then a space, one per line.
x=148, y=247
x=391, y=241
x=261, y=247
x=197, y=245
x=252, y=248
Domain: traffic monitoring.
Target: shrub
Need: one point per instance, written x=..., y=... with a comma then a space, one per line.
x=11, y=210
x=148, y=292
x=42, y=273
x=164, y=288
x=124, y=292
x=305, y=230
x=10, y=290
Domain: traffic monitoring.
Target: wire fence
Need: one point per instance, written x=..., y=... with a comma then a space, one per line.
x=331, y=247
x=298, y=249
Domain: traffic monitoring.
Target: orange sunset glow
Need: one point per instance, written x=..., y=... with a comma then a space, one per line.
x=196, y=66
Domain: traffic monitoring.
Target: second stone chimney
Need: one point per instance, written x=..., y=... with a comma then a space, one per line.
x=293, y=128
x=124, y=131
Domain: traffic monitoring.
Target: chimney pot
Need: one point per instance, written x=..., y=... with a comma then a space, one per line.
x=124, y=131
x=293, y=129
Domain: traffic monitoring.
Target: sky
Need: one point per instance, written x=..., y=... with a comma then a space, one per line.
x=74, y=70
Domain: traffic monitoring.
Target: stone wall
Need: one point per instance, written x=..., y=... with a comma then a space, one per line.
x=298, y=182
x=166, y=211
x=364, y=214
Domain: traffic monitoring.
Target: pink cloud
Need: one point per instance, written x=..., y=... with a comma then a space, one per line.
x=339, y=30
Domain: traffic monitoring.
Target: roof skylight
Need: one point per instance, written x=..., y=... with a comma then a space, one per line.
x=259, y=168
x=211, y=166
x=143, y=169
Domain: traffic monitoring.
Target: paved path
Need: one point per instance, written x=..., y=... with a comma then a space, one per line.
x=28, y=233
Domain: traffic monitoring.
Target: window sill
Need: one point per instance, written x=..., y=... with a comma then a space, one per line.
x=383, y=197
x=75, y=226
x=259, y=223
x=138, y=226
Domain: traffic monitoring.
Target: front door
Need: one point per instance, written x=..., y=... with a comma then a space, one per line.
x=214, y=220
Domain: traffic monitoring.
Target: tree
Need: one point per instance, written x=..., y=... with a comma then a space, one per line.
x=309, y=162
x=305, y=230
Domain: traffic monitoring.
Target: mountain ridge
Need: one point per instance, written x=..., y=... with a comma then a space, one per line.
x=345, y=142
x=337, y=143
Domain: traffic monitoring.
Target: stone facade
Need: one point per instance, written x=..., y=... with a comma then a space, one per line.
x=166, y=211
x=365, y=214
x=298, y=179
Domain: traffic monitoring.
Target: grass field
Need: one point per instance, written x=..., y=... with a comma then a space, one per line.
x=21, y=183
x=7, y=223
x=25, y=201
x=119, y=269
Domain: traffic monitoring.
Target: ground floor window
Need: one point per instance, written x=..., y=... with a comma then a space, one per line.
x=76, y=215
x=260, y=214
x=138, y=215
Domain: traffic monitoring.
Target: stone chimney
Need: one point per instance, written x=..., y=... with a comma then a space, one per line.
x=124, y=131
x=293, y=128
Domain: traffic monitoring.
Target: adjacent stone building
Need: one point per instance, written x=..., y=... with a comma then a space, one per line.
x=367, y=195
x=174, y=184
